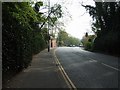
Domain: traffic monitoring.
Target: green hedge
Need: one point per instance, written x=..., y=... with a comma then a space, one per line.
x=19, y=41
x=88, y=46
x=108, y=43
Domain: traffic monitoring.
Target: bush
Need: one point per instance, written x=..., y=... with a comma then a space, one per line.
x=108, y=43
x=19, y=42
x=88, y=45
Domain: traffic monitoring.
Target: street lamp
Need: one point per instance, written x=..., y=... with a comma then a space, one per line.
x=37, y=23
x=48, y=26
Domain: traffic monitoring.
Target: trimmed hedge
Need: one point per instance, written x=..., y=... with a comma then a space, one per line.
x=19, y=41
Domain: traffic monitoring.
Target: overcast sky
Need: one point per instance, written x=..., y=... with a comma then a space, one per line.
x=80, y=20
x=80, y=23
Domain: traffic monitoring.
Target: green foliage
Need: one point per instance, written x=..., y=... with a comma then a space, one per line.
x=56, y=10
x=22, y=37
x=106, y=17
x=37, y=6
x=73, y=41
x=88, y=42
x=62, y=37
x=65, y=40
x=20, y=41
x=88, y=45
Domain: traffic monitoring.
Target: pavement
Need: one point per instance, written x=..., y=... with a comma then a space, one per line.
x=43, y=73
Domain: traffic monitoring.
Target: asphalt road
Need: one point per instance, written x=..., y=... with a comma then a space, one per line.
x=0, y=64
x=89, y=70
x=0, y=71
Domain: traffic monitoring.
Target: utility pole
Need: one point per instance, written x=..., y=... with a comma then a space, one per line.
x=48, y=26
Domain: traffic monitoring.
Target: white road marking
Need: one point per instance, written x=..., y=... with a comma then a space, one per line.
x=92, y=60
x=110, y=66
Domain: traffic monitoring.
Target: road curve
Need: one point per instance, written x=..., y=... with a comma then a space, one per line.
x=87, y=69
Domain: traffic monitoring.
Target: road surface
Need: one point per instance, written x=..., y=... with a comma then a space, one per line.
x=87, y=69
x=0, y=71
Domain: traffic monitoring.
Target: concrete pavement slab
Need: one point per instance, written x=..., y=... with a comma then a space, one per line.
x=43, y=73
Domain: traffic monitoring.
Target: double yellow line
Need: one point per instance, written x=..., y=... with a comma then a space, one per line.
x=64, y=74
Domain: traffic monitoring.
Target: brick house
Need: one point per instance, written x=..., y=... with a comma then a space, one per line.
x=53, y=43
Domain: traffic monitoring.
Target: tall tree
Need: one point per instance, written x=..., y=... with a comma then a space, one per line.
x=106, y=17
x=22, y=36
x=64, y=39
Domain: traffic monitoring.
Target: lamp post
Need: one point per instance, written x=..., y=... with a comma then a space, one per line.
x=48, y=26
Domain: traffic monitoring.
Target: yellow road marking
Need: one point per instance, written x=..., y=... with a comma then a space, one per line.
x=64, y=74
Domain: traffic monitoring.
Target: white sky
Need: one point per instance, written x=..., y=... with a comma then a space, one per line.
x=80, y=22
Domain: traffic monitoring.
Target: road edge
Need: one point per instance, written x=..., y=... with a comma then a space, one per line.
x=63, y=73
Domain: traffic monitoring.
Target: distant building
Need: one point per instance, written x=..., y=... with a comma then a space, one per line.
x=88, y=38
x=53, y=43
